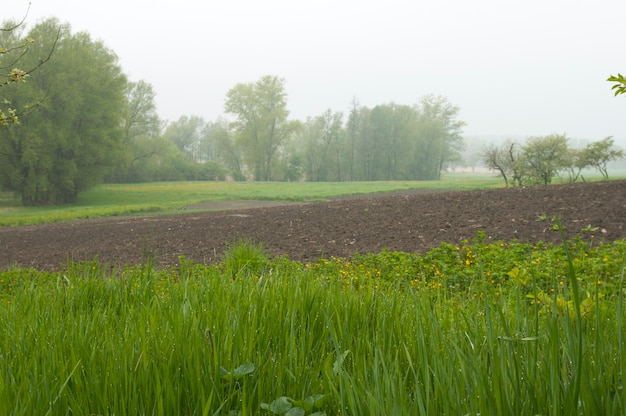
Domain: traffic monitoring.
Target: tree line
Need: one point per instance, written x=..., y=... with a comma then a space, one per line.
x=260, y=142
x=540, y=159
x=96, y=125
x=93, y=124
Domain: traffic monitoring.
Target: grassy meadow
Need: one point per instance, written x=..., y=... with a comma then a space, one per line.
x=171, y=197
x=475, y=328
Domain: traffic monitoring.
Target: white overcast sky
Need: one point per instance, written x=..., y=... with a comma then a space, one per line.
x=527, y=67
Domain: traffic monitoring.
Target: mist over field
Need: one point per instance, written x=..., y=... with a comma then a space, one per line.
x=524, y=69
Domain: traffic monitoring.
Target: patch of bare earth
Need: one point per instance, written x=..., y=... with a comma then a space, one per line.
x=410, y=221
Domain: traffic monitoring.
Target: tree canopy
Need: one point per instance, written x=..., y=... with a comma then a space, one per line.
x=75, y=136
x=262, y=126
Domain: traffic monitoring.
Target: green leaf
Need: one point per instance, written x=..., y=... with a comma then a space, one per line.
x=295, y=411
x=281, y=405
x=316, y=400
x=239, y=372
x=244, y=369
x=312, y=402
x=339, y=362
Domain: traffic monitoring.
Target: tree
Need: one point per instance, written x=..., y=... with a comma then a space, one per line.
x=186, y=134
x=393, y=127
x=620, y=84
x=393, y=141
x=322, y=147
x=140, y=117
x=262, y=124
x=496, y=158
x=219, y=133
x=507, y=159
x=577, y=161
x=75, y=137
x=440, y=137
x=12, y=48
x=599, y=154
x=355, y=119
x=141, y=126
x=545, y=156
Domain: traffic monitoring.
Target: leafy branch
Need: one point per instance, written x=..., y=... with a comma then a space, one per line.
x=620, y=84
x=10, y=115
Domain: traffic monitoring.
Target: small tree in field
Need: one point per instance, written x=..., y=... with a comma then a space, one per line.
x=507, y=159
x=577, y=161
x=545, y=156
x=599, y=154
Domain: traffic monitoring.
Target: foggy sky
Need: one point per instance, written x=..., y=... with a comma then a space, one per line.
x=531, y=67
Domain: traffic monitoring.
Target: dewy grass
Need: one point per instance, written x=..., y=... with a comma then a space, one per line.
x=245, y=258
x=473, y=328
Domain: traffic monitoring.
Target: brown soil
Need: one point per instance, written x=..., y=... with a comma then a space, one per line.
x=408, y=221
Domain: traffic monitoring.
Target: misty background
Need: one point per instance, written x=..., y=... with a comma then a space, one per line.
x=514, y=68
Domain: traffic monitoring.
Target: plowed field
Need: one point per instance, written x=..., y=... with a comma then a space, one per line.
x=410, y=221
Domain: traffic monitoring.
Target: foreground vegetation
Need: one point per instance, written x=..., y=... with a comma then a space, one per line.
x=169, y=197
x=475, y=328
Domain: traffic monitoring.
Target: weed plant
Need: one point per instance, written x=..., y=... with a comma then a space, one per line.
x=475, y=328
x=245, y=258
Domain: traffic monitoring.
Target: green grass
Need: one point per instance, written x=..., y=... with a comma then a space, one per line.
x=473, y=328
x=164, y=198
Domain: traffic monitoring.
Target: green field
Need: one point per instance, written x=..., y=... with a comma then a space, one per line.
x=171, y=197
x=475, y=328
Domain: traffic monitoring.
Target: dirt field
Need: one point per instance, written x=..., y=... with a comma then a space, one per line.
x=402, y=221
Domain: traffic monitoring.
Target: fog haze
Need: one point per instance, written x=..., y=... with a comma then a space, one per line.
x=513, y=67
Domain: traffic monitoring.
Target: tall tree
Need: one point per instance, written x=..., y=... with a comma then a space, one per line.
x=140, y=117
x=392, y=131
x=141, y=126
x=441, y=139
x=353, y=125
x=323, y=136
x=356, y=132
x=187, y=134
x=262, y=124
x=402, y=133
x=379, y=143
x=368, y=148
x=221, y=136
x=74, y=138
